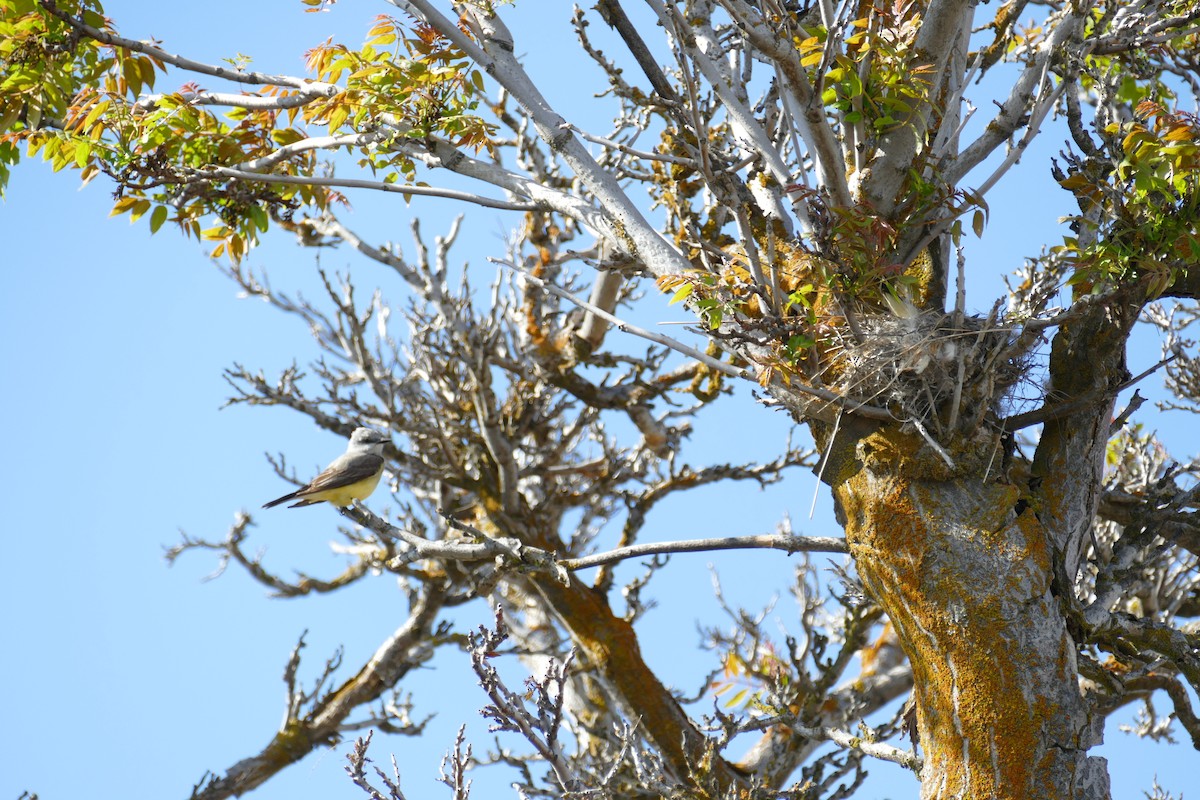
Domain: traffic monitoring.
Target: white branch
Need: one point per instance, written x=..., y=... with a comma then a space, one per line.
x=442, y=155
x=252, y=102
x=745, y=127
x=905, y=758
x=621, y=223
x=351, y=183
x=1013, y=111
x=312, y=143
x=790, y=544
x=1035, y=124
x=814, y=128
x=235, y=75
x=897, y=149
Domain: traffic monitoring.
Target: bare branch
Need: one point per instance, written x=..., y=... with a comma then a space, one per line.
x=209, y=173
x=306, y=86
x=623, y=223
x=789, y=544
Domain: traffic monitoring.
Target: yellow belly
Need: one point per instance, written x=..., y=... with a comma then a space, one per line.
x=345, y=495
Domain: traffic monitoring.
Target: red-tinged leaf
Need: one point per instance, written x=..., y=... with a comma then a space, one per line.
x=1180, y=133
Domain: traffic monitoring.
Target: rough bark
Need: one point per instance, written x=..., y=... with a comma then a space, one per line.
x=1087, y=367
x=965, y=572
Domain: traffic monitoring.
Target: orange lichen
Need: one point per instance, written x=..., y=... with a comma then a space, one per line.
x=965, y=581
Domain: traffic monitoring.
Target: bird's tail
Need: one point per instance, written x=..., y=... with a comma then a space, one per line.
x=279, y=500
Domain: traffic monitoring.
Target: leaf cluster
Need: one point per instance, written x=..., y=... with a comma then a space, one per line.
x=1149, y=204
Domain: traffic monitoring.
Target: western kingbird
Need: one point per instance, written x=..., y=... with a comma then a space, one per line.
x=352, y=476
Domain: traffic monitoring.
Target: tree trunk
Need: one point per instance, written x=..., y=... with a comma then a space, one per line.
x=964, y=571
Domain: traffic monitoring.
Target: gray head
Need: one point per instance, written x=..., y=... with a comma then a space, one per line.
x=368, y=439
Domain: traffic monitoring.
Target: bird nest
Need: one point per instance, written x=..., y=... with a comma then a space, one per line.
x=946, y=370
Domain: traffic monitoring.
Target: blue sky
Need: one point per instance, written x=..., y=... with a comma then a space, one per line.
x=124, y=677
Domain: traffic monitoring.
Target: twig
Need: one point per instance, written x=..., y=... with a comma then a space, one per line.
x=905, y=758
x=837, y=423
x=354, y=183
x=627, y=150
x=845, y=403
x=628, y=327
x=937, y=448
x=790, y=544
x=1046, y=413
x=491, y=48
x=1119, y=420
x=238, y=76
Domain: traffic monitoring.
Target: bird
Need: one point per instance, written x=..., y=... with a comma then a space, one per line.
x=352, y=476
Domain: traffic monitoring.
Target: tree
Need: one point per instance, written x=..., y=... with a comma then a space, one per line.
x=811, y=217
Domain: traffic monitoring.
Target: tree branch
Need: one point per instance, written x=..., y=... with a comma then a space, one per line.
x=305, y=85
x=789, y=544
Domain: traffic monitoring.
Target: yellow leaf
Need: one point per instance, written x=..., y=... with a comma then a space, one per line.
x=1180, y=133
x=139, y=208
x=95, y=114
x=338, y=116
x=122, y=205
x=681, y=294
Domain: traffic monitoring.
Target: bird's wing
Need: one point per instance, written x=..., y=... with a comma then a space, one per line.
x=344, y=473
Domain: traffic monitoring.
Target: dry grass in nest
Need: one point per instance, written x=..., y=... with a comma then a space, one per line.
x=928, y=368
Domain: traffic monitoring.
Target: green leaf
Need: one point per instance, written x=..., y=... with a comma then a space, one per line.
x=158, y=218
x=260, y=218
